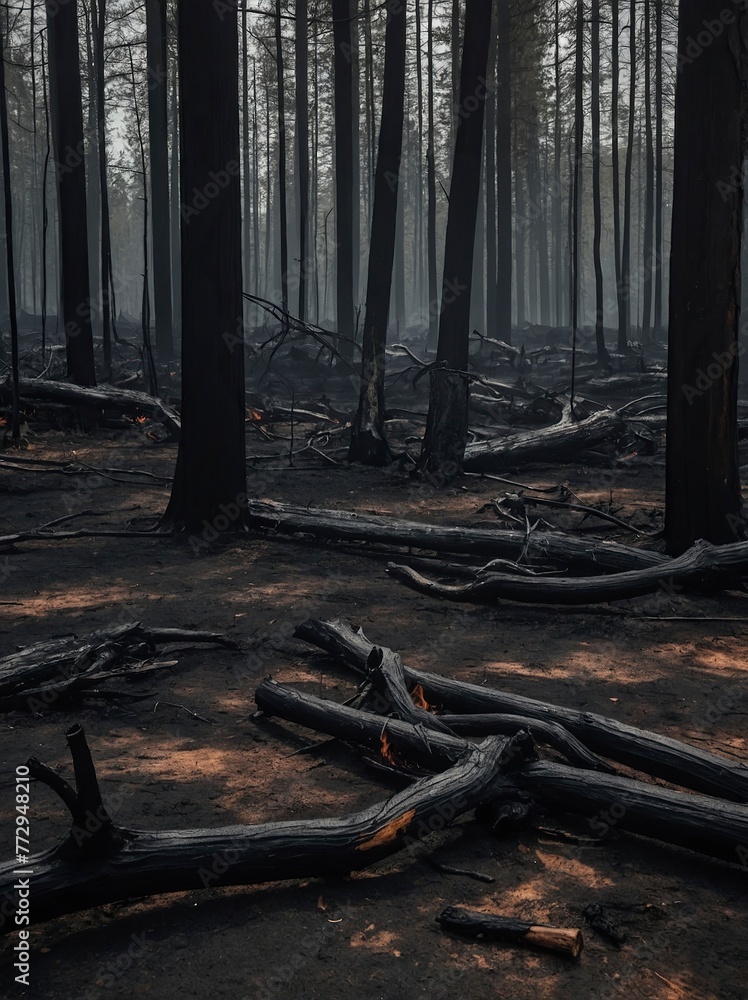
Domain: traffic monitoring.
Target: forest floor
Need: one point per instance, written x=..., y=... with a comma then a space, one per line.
x=373, y=935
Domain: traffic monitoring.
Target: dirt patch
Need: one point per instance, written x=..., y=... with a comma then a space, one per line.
x=373, y=935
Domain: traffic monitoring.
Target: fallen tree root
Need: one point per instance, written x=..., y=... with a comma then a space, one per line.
x=340, y=525
x=112, y=863
x=703, y=564
x=40, y=674
x=102, y=397
x=651, y=753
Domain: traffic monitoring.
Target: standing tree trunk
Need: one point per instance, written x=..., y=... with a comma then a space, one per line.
x=67, y=132
x=341, y=13
x=490, y=167
x=176, y=245
x=647, y=254
x=210, y=482
x=504, y=175
x=615, y=82
x=302, y=147
x=282, y=158
x=602, y=354
x=658, y=248
x=575, y=193
x=368, y=444
x=447, y=423
x=159, y=149
x=558, y=236
x=8, y=201
x=431, y=191
x=98, y=15
x=624, y=321
x=702, y=479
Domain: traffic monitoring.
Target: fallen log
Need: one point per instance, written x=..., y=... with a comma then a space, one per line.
x=100, y=862
x=562, y=440
x=565, y=941
x=43, y=672
x=341, y=525
x=100, y=397
x=710, y=825
x=702, y=823
x=651, y=753
x=706, y=565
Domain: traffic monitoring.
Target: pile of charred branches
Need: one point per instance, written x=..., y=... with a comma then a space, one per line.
x=455, y=747
x=74, y=667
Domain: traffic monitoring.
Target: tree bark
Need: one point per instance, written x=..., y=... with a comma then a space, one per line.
x=702, y=476
x=67, y=134
x=343, y=86
x=368, y=443
x=210, y=478
x=446, y=427
x=159, y=161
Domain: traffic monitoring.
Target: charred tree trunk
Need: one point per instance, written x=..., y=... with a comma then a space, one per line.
x=615, y=83
x=302, y=147
x=602, y=354
x=504, y=175
x=624, y=319
x=282, y=158
x=368, y=442
x=341, y=13
x=210, y=479
x=648, y=261
x=98, y=15
x=67, y=132
x=702, y=478
x=446, y=428
x=159, y=150
x=431, y=192
x=8, y=200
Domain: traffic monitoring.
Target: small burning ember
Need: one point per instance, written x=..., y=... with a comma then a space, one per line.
x=419, y=698
x=387, y=751
x=253, y=416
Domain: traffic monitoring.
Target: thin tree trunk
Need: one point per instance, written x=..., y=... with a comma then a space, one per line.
x=575, y=197
x=341, y=12
x=447, y=422
x=431, y=189
x=176, y=246
x=490, y=167
x=647, y=254
x=558, y=235
x=504, y=175
x=98, y=14
x=159, y=159
x=615, y=141
x=658, y=248
x=8, y=201
x=368, y=443
x=602, y=353
x=67, y=132
x=624, y=321
x=302, y=147
x=282, y=158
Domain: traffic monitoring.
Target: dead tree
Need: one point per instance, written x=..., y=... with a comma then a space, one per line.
x=702, y=497
x=368, y=444
x=67, y=136
x=447, y=425
x=210, y=481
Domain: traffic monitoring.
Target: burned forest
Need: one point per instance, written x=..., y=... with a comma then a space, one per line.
x=373, y=549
